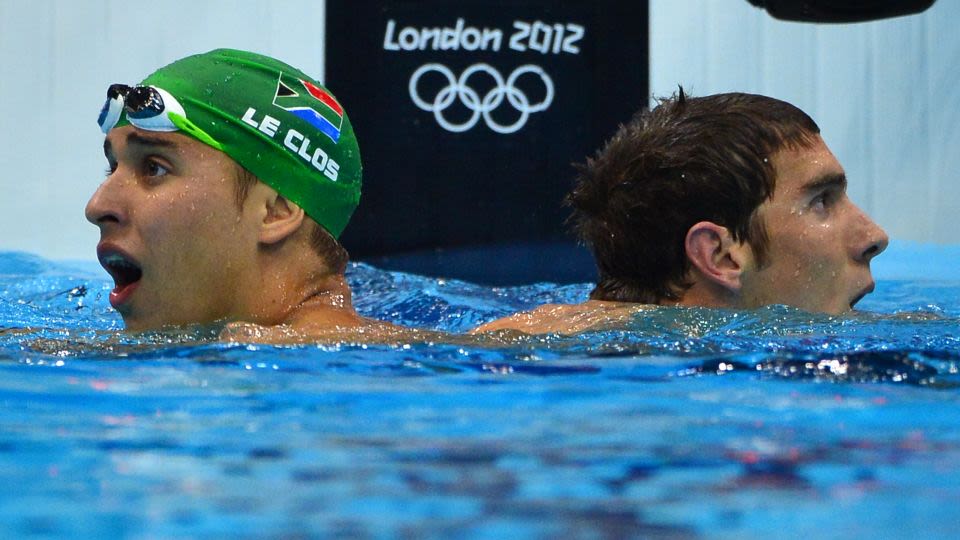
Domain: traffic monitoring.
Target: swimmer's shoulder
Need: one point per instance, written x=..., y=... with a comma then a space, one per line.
x=326, y=330
x=566, y=318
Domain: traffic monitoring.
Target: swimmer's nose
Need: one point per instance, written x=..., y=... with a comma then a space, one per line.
x=104, y=207
x=874, y=239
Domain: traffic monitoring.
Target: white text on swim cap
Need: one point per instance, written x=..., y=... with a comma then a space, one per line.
x=295, y=141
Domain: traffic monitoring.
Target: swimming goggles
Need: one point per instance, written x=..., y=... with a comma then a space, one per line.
x=147, y=107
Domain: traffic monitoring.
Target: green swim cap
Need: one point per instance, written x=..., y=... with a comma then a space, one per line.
x=272, y=119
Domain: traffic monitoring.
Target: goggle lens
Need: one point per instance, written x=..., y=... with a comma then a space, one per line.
x=143, y=102
x=147, y=107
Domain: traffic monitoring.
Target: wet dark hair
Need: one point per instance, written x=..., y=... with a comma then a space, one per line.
x=322, y=242
x=685, y=161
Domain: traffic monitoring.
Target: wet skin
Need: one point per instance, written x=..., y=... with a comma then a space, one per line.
x=818, y=256
x=171, y=232
x=820, y=243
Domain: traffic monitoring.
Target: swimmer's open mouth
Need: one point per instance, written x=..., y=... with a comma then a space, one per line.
x=123, y=270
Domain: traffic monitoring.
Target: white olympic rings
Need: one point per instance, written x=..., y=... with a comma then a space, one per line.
x=457, y=88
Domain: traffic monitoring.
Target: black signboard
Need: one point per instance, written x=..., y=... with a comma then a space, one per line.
x=470, y=114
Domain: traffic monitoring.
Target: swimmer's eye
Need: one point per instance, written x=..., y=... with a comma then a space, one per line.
x=153, y=167
x=819, y=202
x=823, y=201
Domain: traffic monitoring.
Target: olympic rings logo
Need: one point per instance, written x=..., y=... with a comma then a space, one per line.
x=458, y=88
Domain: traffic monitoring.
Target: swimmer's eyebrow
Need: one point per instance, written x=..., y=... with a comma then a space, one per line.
x=143, y=140
x=829, y=180
x=139, y=140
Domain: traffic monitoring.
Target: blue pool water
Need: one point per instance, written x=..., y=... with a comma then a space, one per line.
x=687, y=423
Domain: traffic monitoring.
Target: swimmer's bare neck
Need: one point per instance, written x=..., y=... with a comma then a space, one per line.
x=296, y=288
x=705, y=293
x=295, y=307
x=328, y=303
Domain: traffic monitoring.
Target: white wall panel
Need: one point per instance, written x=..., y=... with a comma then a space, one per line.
x=886, y=94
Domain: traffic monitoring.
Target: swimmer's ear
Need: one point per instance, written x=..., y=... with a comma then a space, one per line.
x=716, y=256
x=281, y=219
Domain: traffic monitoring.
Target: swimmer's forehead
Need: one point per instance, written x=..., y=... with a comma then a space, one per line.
x=146, y=139
x=174, y=150
x=809, y=169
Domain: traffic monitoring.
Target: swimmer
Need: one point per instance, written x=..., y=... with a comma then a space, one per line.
x=724, y=201
x=231, y=176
